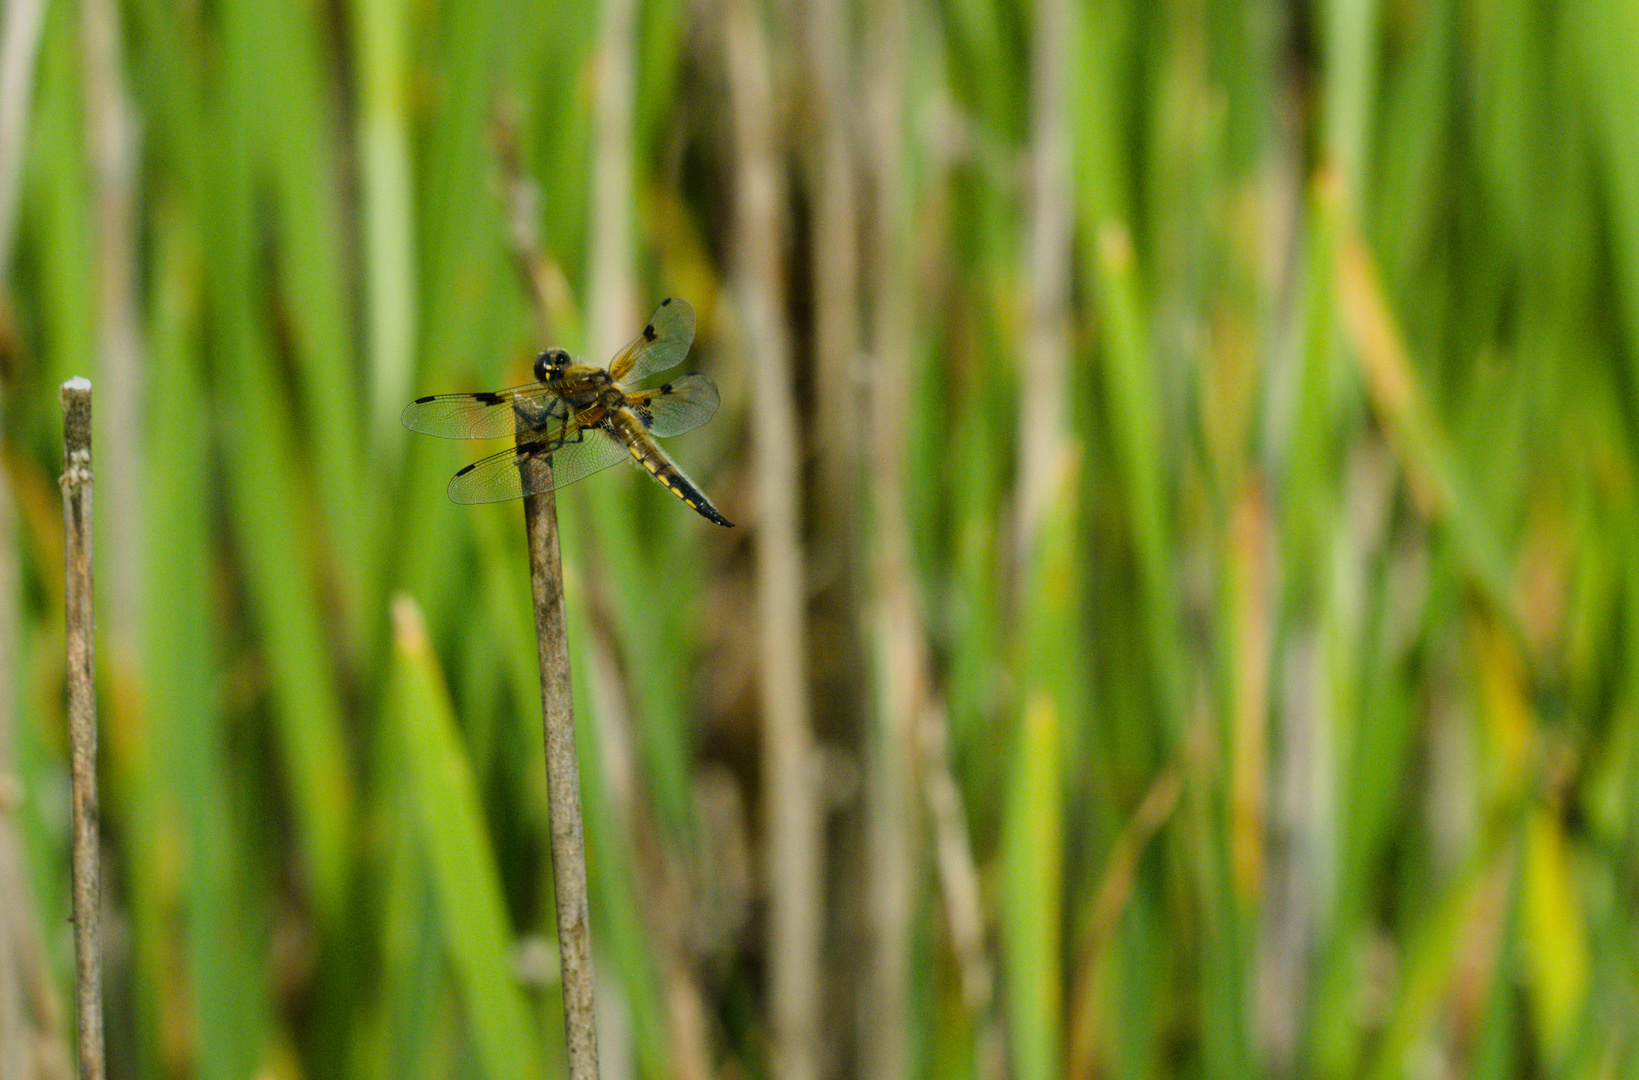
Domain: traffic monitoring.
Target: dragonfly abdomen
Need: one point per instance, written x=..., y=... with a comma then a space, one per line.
x=654, y=460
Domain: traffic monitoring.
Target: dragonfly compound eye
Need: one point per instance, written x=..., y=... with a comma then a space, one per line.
x=549, y=364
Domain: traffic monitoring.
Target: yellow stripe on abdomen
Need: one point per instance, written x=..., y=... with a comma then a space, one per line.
x=645, y=460
x=673, y=479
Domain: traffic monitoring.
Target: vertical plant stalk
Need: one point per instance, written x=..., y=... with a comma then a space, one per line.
x=1047, y=703
x=895, y=830
x=381, y=53
x=1044, y=415
x=542, y=278
x=112, y=149
x=793, y=831
x=1115, y=886
x=31, y=1037
x=670, y=908
x=835, y=237
x=31, y=1040
x=562, y=773
x=20, y=30
x=609, y=297
x=82, y=719
x=958, y=879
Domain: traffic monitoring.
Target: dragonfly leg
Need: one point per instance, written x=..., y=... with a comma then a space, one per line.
x=535, y=414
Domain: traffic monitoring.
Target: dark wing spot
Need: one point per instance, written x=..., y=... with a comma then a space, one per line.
x=648, y=332
x=666, y=389
x=423, y=400
x=488, y=397
x=530, y=448
x=666, y=301
x=465, y=469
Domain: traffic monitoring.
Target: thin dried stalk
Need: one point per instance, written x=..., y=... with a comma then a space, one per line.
x=609, y=298
x=893, y=828
x=20, y=31
x=31, y=1036
x=1115, y=887
x=82, y=719
x=1044, y=422
x=542, y=278
x=794, y=850
x=835, y=238
x=111, y=145
x=31, y=1041
x=562, y=779
x=958, y=873
x=670, y=903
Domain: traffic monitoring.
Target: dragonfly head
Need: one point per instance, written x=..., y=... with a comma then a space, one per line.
x=550, y=364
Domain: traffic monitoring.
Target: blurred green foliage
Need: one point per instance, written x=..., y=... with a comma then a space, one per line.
x=1302, y=741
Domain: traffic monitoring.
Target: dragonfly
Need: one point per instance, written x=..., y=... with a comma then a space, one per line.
x=582, y=418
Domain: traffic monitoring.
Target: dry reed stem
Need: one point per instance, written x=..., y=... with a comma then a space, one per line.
x=31, y=1041
x=901, y=662
x=31, y=1038
x=668, y=906
x=562, y=779
x=609, y=296
x=835, y=238
x=1115, y=886
x=793, y=838
x=953, y=857
x=112, y=148
x=82, y=719
x=20, y=31
x=1044, y=415
x=1250, y=568
x=543, y=279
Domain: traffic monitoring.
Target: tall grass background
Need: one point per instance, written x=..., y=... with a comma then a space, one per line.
x=1184, y=619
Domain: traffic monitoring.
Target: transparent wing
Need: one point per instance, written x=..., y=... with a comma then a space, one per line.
x=498, y=478
x=681, y=405
x=662, y=345
x=486, y=415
